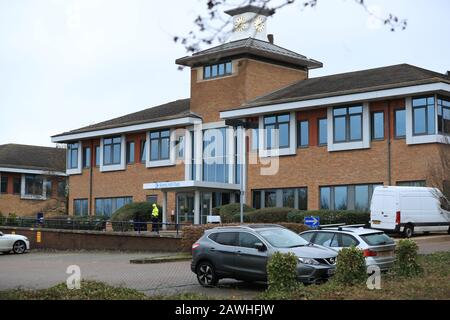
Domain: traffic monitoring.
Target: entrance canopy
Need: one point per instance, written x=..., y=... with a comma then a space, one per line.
x=198, y=206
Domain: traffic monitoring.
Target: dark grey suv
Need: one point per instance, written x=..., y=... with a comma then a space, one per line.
x=242, y=252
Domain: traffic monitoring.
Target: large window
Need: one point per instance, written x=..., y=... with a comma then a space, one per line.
x=159, y=145
x=34, y=185
x=72, y=155
x=86, y=157
x=378, y=125
x=4, y=185
x=423, y=116
x=215, y=166
x=287, y=197
x=80, y=207
x=130, y=152
x=107, y=206
x=347, y=123
x=217, y=70
x=348, y=197
x=303, y=134
x=444, y=115
x=400, y=123
x=276, y=130
x=112, y=150
x=323, y=132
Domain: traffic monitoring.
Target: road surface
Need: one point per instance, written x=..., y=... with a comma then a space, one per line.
x=36, y=270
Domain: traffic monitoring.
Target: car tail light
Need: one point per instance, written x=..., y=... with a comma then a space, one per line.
x=195, y=246
x=397, y=217
x=370, y=253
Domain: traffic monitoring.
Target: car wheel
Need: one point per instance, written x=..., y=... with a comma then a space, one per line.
x=206, y=275
x=408, y=231
x=19, y=247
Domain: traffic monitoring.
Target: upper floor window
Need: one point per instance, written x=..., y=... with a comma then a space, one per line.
x=159, y=145
x=112, y=150
x=378, y=125
x=347, y=123
x=303, y=134
x=97, y=156
x=217, y=70
x=143, y=150
x=130, y=152
x=215, y=164
x=400, y=123
x=86, y=157
x=180, y=148
x=323, y=131
x=443, y=116
x=72, y=155
x=423, y=116
x=276, y=129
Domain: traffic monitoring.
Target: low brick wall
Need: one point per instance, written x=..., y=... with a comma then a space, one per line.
x=96, y=240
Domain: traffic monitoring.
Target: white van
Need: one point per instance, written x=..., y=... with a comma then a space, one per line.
x=408, y=210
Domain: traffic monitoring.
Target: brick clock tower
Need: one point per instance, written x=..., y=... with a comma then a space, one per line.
x=249, y=65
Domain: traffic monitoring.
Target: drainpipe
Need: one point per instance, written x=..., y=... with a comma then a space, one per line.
x=389, y=143
x=90, y=177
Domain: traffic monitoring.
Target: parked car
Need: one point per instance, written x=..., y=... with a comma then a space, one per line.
x=408, y=210
x=242, y=253
x=13, y=242
x=378, y=248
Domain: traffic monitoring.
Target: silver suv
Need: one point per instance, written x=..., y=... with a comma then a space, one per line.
x=242, y=252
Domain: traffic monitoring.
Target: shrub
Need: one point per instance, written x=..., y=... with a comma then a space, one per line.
x=330, y=217
x=282, y=272
x=136, y=211
x=227, y=212
x=266, y=215
x=350, y=266
x=406, y=264
x=296, y=227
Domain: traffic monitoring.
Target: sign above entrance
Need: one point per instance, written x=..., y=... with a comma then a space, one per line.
x=190, y=184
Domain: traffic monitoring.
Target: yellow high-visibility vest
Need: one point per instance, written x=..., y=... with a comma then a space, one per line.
x=155, y=212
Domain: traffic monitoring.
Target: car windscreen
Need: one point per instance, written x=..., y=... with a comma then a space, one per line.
x=377, y=239
x=282, y=238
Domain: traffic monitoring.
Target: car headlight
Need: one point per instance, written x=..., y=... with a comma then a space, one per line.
x=308, y=261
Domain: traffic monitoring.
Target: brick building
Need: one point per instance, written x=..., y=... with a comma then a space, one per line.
x=256, y=120
x=33, y=179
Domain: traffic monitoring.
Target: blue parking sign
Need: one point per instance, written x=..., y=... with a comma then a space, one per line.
x=312, y=222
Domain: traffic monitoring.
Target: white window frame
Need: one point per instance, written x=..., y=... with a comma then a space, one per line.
x=114, y=167
x=351, y=145
x=291, y=150
x=78, y=169
x=25, y=196
x=172, y=151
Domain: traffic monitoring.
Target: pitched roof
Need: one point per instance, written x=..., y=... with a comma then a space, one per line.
x=352, y=82
x=249, y=46
x=172, y=110
x=18, y=156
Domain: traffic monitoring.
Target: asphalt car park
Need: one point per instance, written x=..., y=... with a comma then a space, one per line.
x=42, y=269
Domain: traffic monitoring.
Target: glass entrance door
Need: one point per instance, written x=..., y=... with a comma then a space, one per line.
x=185, y=208
x=206, y=206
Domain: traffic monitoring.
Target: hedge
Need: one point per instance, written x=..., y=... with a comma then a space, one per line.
x=136, y=211
x=330, y=217
x=227, y=212
x=267, y=215
x=192, y=233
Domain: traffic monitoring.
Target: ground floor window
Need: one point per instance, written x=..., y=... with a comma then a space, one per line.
x=34, y=185
x=4, y=185
x=17, y=185
x=107, y=206
x=80, y=207
x=152, y=199
x=418, y=183
x=286, y=197
x=347, y=197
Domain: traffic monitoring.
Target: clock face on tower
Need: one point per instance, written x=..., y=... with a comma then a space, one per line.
x=240, y=24
x=259, y=24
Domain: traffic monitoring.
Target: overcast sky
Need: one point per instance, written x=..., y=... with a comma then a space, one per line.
x=65, y=64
